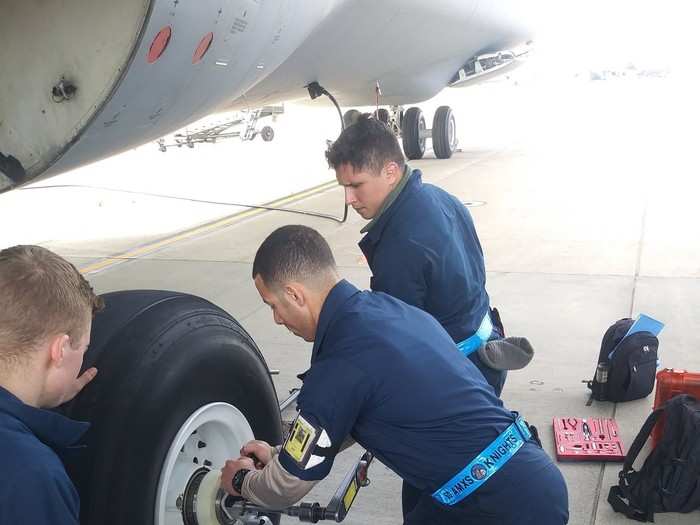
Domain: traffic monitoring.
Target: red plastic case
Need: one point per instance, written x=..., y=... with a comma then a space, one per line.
x=602, y=443
x=670, y=383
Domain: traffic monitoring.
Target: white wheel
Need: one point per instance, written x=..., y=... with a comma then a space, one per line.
x=267, y=133
x=209, y=437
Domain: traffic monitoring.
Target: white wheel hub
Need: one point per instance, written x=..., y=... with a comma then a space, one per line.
x=210, y=436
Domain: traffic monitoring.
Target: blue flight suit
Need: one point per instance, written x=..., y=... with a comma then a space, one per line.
x=34, y=486
x=389, y=375
x=424, y=250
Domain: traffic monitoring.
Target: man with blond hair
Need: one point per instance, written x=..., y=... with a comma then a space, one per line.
x=46, y=309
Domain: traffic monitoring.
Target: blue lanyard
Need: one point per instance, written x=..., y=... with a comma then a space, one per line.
x=473, y=343
x=484, y=465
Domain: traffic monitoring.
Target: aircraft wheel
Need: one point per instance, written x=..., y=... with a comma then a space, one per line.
x=444, y=133
x=267, y=133
x=350, y=117
x=181, y=386
x=413, y=129
x=382, y=114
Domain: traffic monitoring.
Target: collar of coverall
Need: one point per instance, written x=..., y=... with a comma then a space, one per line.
x=338, y=295
x=53, y=429
x=405, y=176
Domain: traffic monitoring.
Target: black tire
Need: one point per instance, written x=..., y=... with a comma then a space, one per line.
x=350, y=117
x=382, y=115
x=267, y=133
x=413, y=123
x=161, y=356
x=444, y=133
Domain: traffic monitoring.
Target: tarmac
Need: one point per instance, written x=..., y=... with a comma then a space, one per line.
x=573, y=241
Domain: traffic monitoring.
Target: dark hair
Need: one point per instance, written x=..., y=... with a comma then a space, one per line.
x=292, y=253
x=366, y=144
x=41, y=294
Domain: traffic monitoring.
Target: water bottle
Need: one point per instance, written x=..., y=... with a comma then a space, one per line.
x=601, y=381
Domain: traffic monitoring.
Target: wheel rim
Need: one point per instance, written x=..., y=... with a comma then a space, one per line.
x=451, y=132
x=222, y=429
x=421, y=134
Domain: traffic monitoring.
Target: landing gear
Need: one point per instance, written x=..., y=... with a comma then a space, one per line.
x=411, y=127
x=443, y=133
x=181, y=387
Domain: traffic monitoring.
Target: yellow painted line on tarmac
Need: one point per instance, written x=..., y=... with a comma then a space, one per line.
x=140, y=251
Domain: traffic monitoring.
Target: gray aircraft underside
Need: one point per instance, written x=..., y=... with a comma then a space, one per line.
x=85, y=79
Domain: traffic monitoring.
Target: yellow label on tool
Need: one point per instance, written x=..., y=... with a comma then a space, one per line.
x=350, y=495
x=300, y=439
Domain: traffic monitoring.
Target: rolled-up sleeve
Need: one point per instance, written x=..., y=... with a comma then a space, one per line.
x=273, y=487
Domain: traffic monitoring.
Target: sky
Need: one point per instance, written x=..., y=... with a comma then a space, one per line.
x=598, y=34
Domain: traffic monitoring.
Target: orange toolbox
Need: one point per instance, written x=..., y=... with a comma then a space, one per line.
x=670, y=383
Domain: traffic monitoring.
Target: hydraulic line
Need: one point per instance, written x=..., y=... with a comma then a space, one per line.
x=197, y=201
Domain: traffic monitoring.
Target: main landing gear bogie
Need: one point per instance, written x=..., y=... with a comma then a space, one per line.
x=443, y=133
x=410, y=125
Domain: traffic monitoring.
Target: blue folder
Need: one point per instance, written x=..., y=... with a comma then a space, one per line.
x=643, y=323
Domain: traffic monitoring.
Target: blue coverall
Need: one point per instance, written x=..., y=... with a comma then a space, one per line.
x=389, y=375
x=424, y=250
x=34, y=486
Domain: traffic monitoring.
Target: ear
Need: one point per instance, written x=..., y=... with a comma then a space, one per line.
x=58, y=346
x=295, y=293
x=393, y=172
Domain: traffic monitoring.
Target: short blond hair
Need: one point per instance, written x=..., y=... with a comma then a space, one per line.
x=41, y=294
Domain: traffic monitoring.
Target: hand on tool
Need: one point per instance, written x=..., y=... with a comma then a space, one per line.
x=232, y=466
x=259, y=451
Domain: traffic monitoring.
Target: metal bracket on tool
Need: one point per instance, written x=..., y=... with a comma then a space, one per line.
x=336, y=510
x=293, y=394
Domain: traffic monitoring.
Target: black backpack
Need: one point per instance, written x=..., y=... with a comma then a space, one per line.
x=669, y=480
x=631, y=371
